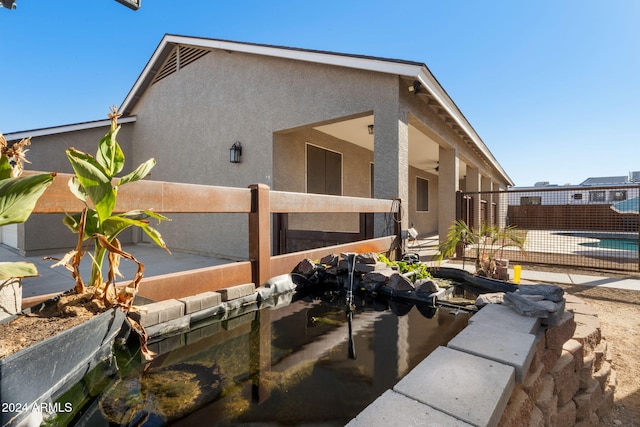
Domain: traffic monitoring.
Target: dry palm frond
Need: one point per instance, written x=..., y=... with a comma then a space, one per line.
x=16, y=154
x=71, y=260
x=127, y=293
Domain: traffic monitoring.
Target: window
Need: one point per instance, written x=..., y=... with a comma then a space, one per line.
x=324, y=171
x=530, y=200
x=577, y=196
x=617, y=195
x=422, y=194
x=596, y=196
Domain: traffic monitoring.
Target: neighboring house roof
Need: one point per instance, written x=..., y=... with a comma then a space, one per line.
x=415, y=71
x=589, y=182
x=606, y=180
x=15, y=136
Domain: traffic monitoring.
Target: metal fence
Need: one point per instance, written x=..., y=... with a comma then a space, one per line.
x=571, y=226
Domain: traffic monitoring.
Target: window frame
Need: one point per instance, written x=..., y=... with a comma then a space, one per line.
x=419, y=208
x=306, y=167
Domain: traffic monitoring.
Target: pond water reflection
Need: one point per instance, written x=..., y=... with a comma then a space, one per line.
x=287, y=365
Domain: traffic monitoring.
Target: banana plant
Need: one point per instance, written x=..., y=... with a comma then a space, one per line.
x=96, y=184
x=18, y=197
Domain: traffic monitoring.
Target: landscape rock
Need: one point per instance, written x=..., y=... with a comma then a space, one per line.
x=331, y=259
x=306, y=267
x=524, y=306
x=491, y=298
x=550, y=292
x=398, y=284
x=427, y=286
x=368, y=258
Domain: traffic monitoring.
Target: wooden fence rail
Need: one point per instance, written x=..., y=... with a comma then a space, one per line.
x=257, y=201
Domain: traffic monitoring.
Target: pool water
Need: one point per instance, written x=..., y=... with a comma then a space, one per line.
x=290, y=365
x=619, y=244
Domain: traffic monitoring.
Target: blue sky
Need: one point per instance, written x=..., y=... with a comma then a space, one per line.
x=551, y=86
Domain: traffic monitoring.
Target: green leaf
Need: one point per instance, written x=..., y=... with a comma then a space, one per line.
x=18, y=196
x=117, y=223
x=144, y=214
x=5, y=167
x=155, y=236
x=77, y=189
x=9, y=270
x=95, y=181
x=140, y=172
x=110, y=155
x=92, y=223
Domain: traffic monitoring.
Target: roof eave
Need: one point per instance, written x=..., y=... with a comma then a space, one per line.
x=412, y=70
x=428, y=81
x=34, y=133
x=395, y=67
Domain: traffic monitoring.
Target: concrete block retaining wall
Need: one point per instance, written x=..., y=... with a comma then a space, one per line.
x=507, y=370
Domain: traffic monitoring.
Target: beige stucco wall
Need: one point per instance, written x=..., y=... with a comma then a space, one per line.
x=190, y=119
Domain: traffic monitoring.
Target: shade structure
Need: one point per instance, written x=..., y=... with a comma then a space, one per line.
x=629, y=206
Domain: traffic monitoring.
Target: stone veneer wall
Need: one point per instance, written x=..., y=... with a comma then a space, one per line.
x=571, y=381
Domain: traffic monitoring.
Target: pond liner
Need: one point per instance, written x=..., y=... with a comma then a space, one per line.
x=477, y=284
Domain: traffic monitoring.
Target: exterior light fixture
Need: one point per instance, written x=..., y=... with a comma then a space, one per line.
x=370, y=129
x=415, y=87
x=235, y=152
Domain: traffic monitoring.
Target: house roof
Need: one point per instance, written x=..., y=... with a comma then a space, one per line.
x=414, y=71
x=606, y=180
x=15, y=136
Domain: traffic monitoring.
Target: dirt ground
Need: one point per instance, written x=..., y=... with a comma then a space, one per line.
x=27, y=330
x=619, y=313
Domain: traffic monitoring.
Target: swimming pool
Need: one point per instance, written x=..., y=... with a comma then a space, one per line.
x=618, y=244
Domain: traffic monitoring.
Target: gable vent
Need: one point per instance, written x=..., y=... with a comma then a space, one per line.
x=180, y=57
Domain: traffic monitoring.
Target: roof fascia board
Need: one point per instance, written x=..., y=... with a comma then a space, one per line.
x=65, y=128
x=137, y=86
x=364, y=63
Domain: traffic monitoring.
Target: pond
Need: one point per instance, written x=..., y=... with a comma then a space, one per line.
x=300, y=362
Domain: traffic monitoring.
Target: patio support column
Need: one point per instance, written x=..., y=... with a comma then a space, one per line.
x=260, y=234
x=448, y=185
x=473, y=186
x=501, y=206
x=486, y=185
x=391, y=160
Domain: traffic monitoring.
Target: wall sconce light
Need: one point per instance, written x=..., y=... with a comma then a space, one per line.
x=370, y=129
x=415, y=87
x=235, y=152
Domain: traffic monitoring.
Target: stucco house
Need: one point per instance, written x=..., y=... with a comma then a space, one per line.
x=307, y=121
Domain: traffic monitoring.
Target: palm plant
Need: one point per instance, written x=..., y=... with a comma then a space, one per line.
x=489, y=241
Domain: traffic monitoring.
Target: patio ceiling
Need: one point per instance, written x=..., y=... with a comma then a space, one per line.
x=423, y=151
